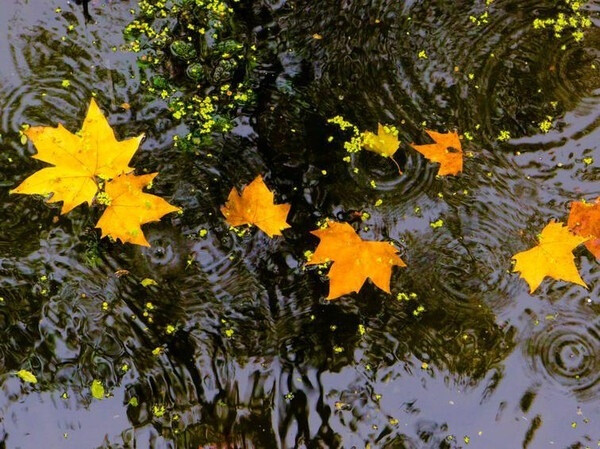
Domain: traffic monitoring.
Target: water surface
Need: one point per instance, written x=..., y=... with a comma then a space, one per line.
x=259, y=358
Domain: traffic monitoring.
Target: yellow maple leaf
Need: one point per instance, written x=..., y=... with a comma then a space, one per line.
x=552, y=257
x=256, y=206
x=354, y=259
x=384, y=143
x=446, y=150
x=129, y=208
x=79, y=160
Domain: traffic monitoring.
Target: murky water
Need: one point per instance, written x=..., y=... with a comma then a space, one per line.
x=259, y=358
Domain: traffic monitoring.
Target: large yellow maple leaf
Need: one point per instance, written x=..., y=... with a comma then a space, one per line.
x=446, y=150
x=354, y=259
x=552, y=257
x=256, y=206
x=129, y=208
x=79, y=160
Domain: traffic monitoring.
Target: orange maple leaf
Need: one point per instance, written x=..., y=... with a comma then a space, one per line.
x=354, y=259
x=552, y=257
x=256, y=206
x=129, y=208
x=446, y=150
x=584, y=220
x=79, y=160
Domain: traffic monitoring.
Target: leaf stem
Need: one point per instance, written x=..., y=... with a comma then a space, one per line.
x=398, y=166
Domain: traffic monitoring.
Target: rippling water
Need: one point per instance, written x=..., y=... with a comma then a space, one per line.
x=257, y=357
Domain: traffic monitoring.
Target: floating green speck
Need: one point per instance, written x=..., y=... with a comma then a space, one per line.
x=148, y=282
x=503, y=136
x=437, y=224
x=97, y=389
x=27, y=376
x=159, y=410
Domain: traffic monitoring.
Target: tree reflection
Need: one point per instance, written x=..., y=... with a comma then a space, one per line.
x=255, y=386
x=235, y=346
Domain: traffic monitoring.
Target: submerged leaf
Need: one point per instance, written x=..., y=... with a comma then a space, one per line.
x=354, y=259
x=256, y=206
x=552, y=257
x=78, y=159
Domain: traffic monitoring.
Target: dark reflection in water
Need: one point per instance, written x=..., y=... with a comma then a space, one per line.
x=235, y=346
x=86, y=8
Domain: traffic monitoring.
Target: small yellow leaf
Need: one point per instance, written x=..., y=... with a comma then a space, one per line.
x=27, y=376
x=384, y=143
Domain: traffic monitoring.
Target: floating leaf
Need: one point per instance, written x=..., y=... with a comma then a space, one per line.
x=256, y=206
x=552, y=257
x=27, y=376
x=129, y=208
x=78, y=159
x=354, y=259
x=446, y=150
x=584, y=220
x=385, y=142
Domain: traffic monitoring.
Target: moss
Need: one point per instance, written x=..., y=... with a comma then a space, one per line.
x=571, y=19
x=202, y=63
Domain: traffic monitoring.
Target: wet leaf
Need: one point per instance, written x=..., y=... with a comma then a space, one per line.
x=584, y=220
x=354, y=259
x=27, y=376
x=552, y=257
x=385, y=142
x=256, y=206
x=129, y=208
x=447, y=151
x=78, y=160
x=97, y=389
